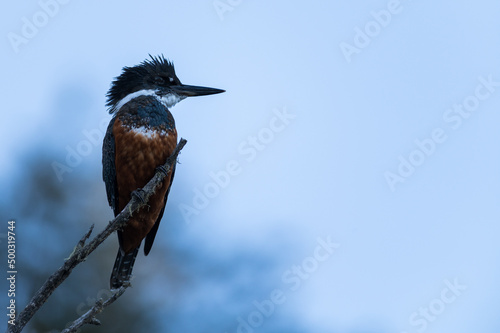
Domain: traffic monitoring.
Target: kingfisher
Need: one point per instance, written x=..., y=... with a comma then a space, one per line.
x=140, y=137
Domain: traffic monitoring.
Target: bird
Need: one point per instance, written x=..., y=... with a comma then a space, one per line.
x=139, y=138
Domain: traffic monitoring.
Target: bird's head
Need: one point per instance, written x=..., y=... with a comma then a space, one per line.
x=154, y=76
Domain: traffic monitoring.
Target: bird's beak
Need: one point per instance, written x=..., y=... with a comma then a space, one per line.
x=189, y=91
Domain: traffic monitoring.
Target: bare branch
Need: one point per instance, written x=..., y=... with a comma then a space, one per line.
x=89, y=316
x=80, y=253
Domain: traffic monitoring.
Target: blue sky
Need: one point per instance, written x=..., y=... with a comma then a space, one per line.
x=303, y=141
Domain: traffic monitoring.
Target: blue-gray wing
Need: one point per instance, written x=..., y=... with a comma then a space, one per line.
x=108, y=167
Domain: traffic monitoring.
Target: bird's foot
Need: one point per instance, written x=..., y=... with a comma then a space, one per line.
x=163, y=170
x=140, y=194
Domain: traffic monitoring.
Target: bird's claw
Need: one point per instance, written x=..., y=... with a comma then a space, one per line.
x=162, y=170
x=139, y=194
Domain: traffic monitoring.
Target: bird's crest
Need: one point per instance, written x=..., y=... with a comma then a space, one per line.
x=143, y=76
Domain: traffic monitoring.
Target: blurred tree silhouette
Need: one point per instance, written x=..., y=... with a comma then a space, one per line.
x=180, y=283
x=51, y=217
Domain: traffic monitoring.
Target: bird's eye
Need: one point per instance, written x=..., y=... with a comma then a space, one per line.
x=159, y=80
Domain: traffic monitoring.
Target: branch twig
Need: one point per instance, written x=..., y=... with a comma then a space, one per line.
x=81, y=252
x=89, y=316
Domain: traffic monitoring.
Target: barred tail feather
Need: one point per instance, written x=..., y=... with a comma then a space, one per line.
x=122, y=268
